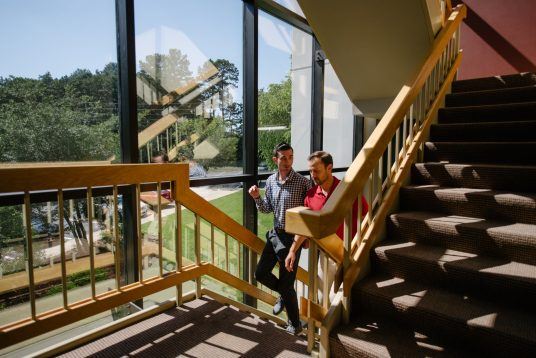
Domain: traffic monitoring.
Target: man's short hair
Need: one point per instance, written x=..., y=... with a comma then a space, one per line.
x=325, y=157
x=162, y=154
x=280, y=148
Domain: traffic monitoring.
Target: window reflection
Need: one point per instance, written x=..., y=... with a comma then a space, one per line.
x=189, y=85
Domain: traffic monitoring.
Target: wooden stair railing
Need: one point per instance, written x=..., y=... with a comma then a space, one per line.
x=399, y=137
x=116, y=179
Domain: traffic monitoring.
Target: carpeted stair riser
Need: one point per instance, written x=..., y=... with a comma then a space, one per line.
x=500, y=96
x=483, y=176
x=369, y=336
x=479, y=203
x=489, y=113
x=515, y=242
x=446, y=316
x=522, y=131
x=512, y=153
x=467, y=275
x=496, y=82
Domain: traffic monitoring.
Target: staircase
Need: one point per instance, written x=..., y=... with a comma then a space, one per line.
x=456, y=275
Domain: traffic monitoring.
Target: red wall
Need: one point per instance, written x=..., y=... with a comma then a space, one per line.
x=498, y=37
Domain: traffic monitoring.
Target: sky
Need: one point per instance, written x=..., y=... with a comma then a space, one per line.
x=60, y=36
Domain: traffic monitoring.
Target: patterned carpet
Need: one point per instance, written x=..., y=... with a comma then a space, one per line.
x=201, y=328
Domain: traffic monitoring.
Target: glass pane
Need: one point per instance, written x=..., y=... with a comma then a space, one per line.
x=189, y=84
x=338, y=119
x=58, y=81
x=292, y=5
x=284, y=90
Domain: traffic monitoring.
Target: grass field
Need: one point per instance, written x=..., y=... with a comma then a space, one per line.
x=230, y=204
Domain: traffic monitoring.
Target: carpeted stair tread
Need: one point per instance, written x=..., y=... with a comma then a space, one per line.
x=375, y=336
x=494, y=278
x=488, y=113
x=514, y=241
x=474, y=202
x=491, y=96
x=486, y=176
x=513, y=131
x=495, y=82
x=521, y=153
x=487, y=325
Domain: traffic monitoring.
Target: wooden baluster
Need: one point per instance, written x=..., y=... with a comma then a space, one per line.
x=404, y=134
x=197, y=253
x=212, y=242
x=178, y=250
x=160, y=243
x=389, y=160
x=326, y=289
x=397, y=149
x=359, y=218
x=29, y=246
x=313, y=281
x=239, y=258
x=139, y=238
x=89, y=203
x=411, y=114
x=62, y=248
x=347, y=239
x=379, y=182
x=226, y=253
x=370, y=202
x=116, y=242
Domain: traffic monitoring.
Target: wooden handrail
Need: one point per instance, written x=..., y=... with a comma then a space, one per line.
x=402, y=129
x=361, y=253
x=318, y=224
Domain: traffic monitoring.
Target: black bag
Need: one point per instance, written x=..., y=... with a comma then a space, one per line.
x=281, y=242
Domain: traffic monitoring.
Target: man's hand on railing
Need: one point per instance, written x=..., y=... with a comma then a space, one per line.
x=291, y=257
x=289, y=261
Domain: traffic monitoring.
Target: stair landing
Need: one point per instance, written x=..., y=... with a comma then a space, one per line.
x=200, y=328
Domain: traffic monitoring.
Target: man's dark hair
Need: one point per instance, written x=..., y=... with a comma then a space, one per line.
x=281, y=147
x=325, y=157
x=162, y=154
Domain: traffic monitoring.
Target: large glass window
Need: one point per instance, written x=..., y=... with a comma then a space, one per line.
x=338, y=119
x=58, y=81
x=189, y=83
x=284, y=78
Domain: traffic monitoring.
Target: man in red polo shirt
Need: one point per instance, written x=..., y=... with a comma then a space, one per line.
x=320, y=168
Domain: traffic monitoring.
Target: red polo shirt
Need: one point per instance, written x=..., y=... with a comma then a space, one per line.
x=315, y=200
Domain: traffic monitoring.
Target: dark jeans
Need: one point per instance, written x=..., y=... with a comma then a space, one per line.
x=276, y=250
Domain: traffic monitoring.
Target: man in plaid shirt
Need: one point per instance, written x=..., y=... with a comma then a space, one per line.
x=285, y=189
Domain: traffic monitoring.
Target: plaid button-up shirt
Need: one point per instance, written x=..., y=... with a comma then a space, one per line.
x=283, y=195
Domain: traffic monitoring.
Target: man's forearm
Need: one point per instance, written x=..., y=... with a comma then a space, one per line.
x=298, y=240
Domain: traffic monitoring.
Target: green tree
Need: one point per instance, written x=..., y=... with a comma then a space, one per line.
x=168, y=71
x=274, y=111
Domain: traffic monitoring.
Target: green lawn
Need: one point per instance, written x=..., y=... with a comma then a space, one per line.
x=231, y=205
